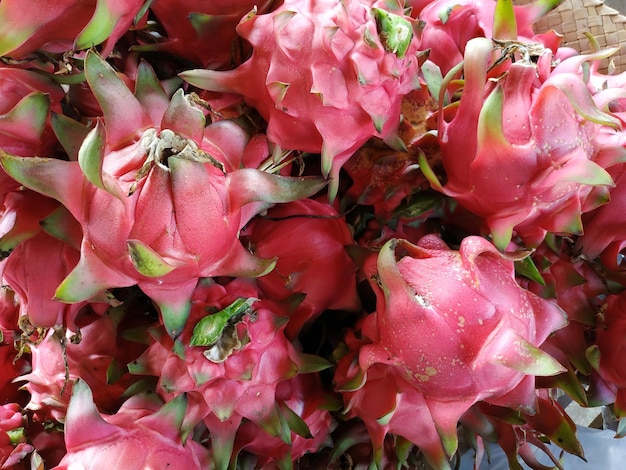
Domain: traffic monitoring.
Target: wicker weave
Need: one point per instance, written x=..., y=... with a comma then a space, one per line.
x=573, y=18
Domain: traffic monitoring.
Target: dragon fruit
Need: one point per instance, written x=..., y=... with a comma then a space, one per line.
x=190, y=24
x=451, y=24
x=26, y=99
x=604, y=227
x=93, y=22
x=442, y=334
x=11, y=365
x=312, y=262
x=13, y=445
x=520, y=149
x=607, y=354
x=140, y=435
x=304, y=395
x=230, y=361
x=325, y=75
x=91, y=353
x=116, y=192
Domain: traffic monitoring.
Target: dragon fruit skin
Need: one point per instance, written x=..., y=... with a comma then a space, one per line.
x=36, y=293
x=304, y=395
x=444, y=327
x=543, y=179
x=10, y=365
x=91, y=359
x=93, y=22
x=321, y=77
x=137, y=437
x=311, y=261
x=115, y=191
x=607, y=355
x=450, y=24
x=192, y=24
x=604, y=227
x=26, y=99
x=228, y=383
x=12, y=448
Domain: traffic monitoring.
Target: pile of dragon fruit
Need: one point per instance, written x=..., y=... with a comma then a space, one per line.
x=305, y=234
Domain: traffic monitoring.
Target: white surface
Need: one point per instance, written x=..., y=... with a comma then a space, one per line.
x=602, y=451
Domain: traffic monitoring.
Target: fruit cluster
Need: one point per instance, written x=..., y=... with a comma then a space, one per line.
x=304, y=234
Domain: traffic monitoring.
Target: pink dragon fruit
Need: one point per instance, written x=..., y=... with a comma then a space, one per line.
x=312, y=261
x=450, y=24
x=92, y=22
x=230, y=360
x=607, y=354
x=520, y=149
x=190, y=25
x=325, y=75
x=133, y=174
x=92, y=352
x=451, y=328
x=11, y=365
x=26, y=99
x=305, y=396
x=138, y=436
x=36, y=293
x=604, y=227
x=13, y=446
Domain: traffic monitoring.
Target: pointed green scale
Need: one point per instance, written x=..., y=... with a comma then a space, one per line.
x=70, y=133
x=593, y=356
x=395, y=32
x=61, y=225
x=526, y=267
x=124, y=116
x=295, y=422
x=580, y=98
x=204, y=24
x=210, y=328
x=504, y=24
x=150, y=92
x=147, y=261
x=277, y=91
x=28, y=116
x=184, y=118
x=310, y=363
x=253, y=185
x=490, y=130
x=281, y=19
x=501, y=233
x=285, y=431
x=530, y=360
x=98, y=29
x=91, y=155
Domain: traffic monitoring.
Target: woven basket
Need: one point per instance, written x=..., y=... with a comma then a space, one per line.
x=573, y=18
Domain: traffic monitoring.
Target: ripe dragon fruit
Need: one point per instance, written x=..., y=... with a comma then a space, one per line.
x=26, y=99
x=520, y=149
x=92, y=352
x=230, y=361
x=140, y=435
x=13, y=445
x=604, y=227
x=133, y=174
x=190, y=24
x=325, y=75
x=440, y=340
x=313, y=262
x=93, y=22
x=606, y=355
x=451, y=24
